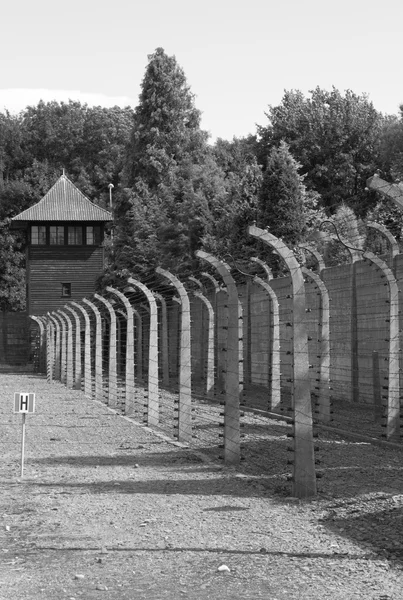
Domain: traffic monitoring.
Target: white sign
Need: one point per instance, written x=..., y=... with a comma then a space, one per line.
x=24, y=402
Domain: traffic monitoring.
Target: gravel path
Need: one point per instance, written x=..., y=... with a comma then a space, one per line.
x=109, y=509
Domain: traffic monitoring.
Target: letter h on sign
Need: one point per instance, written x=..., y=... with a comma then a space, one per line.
x=24, y=403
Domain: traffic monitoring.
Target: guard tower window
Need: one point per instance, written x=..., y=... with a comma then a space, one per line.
x=93, y=235
x=66, y=290
x=38, y=235
x=56, y=235
x=75, y=236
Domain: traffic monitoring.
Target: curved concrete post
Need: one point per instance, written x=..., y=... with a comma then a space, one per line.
x=275, y=371
x=392, y=191
x=77, y=348
x=112, y=370
x=69, y=357
x=153, y=390
x=129, y=370
x=185, y=365
x=220, y=332
x=164, y=339
x=87, y=349
x=317, y=255
x=42, y=343
x=265, y=267
x=234, y=354
x=58, y=347
x=323, y=379
x=63, y=347
x=304, y=478
x=197, y=282
x=217, y=286
x=139, y=344
x=355, y=256
x=51, y=349
x=394, y=249
x=210, y=342
x=201, y=369
x=98, y=350
x=393, y=398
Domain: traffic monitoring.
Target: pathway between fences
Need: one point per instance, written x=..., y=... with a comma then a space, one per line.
x=109, y=509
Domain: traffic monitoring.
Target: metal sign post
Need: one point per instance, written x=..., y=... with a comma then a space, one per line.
x=23, y=403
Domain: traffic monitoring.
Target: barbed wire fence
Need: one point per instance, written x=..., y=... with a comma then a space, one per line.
x=241, y=365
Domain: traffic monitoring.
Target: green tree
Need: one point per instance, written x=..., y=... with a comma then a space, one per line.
x=282, y=197
x=170, y=181
x=392, y=147
x=12, y=270
x=242, y=178
x=335, y=138
x=88, y=142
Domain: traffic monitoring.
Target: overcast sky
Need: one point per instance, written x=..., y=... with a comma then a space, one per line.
x=238, y=56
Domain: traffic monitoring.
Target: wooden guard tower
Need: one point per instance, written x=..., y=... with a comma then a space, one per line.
x=65, y=253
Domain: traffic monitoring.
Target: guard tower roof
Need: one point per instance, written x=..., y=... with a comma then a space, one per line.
x=64, y=202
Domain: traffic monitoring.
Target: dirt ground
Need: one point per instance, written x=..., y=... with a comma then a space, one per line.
x=108, y=509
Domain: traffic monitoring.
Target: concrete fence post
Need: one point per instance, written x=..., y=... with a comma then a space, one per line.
x=220, y=333
x=129, y=368
x=112, y=364
x=210, y=342
x=185, y=366
x=69, y=348
x=153, y=389
x=304, y=477
x=199, y=351
x=41, y=347
x=317, y=255
x=265, y=267
x=392, y=407
x=63, y=347
x=376, y=387
x=98, y=349
x=87, y=349
x=164, y=339
x=77, y=349
x=323, y=371
x=50, y=350
x=234, y=368
x=274, y=368
x=57, y=346
x=355, y=257
x=394, y=249
x=139, y=345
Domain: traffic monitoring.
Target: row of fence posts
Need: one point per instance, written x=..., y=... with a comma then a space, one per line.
x=81, y=325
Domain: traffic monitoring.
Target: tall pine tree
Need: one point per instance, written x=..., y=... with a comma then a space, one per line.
x=282, y=197
x=170, y=180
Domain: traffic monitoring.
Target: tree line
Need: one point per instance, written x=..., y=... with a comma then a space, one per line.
x=174, y=192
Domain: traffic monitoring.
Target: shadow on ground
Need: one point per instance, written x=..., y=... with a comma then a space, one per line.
x=377, y=525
